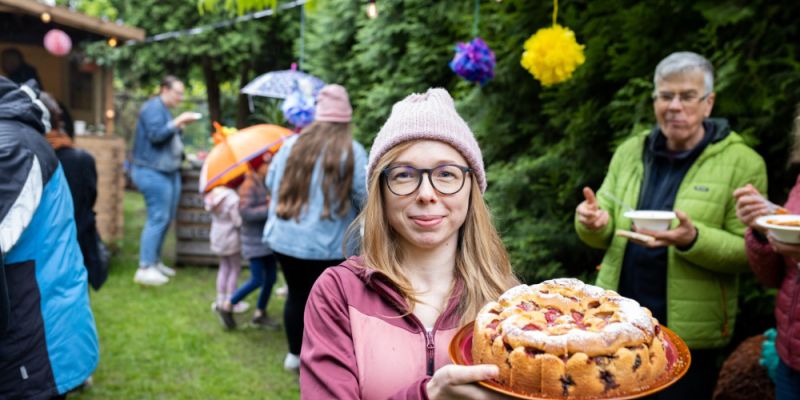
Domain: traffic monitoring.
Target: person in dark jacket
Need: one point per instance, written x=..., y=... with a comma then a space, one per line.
x=49, y=344
x=81, y=173
x=16, y=69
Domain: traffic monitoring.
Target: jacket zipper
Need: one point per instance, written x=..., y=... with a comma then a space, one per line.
x=725, y=331
x=431, y=346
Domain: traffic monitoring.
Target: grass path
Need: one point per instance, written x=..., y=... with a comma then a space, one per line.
x=165, y=343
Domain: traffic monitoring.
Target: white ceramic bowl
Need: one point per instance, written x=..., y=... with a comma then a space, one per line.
x=786, y=234
x=651, y=220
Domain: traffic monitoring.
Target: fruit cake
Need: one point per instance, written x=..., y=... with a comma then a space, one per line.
x=564, y=338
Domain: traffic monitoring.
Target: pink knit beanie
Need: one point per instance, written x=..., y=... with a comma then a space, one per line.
x=333, y=105
x=429, y=116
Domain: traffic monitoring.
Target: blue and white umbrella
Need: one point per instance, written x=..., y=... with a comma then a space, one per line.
x=280, y=84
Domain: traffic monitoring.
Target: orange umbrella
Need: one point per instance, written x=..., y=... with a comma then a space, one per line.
x=228, y=159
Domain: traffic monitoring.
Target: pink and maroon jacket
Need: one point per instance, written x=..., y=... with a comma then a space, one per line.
x=774, y=270
x=359, y=343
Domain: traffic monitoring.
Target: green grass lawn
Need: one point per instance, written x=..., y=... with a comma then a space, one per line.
x=166, y=343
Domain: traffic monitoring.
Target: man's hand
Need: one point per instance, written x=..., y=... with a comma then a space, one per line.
x=185, y=118
x=682, y=236
x=589, y=213
x=750, y=205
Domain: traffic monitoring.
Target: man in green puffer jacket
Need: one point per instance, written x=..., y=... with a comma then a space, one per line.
x=688, y=275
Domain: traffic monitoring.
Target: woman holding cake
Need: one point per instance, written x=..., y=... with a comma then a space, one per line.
x=379, y=324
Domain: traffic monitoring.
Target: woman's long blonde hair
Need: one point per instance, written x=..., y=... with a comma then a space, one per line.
x=481, y=259
x=333, y=143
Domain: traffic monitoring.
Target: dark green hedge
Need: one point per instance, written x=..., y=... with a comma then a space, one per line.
x=541, y=145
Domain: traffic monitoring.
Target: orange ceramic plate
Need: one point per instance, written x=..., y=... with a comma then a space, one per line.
x=461, y=354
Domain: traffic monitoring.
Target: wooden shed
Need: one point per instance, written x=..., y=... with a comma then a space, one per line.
x=84, y=88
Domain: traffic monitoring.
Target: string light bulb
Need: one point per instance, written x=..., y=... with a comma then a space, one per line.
x=372, y=10
x=112, y=41
x=46, y=17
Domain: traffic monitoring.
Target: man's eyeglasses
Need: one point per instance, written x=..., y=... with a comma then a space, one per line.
x=685, y=98
x=446, y=179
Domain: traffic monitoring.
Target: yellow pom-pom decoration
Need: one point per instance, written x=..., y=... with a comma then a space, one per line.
x=552, y=54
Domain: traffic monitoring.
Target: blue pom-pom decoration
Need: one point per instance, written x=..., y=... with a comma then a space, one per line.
x=298, y=108
x=769, y=356
x=474, y=61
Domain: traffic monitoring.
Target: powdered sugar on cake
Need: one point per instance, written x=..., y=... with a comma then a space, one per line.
x=567, y=315
x=563, y=338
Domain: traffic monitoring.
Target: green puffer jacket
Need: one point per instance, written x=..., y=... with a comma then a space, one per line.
x=703, y=281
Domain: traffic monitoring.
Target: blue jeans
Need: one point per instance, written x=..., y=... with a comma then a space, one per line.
x=787, y=383
x=161, y=192
x=263, y=274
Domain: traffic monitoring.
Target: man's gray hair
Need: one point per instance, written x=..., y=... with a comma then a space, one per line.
x=682, y=62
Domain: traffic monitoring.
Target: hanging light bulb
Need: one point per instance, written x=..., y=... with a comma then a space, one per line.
x=112, y=41
x=45, y=17
x=372, y=10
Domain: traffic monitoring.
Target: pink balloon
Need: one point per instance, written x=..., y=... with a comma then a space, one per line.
x=57, y=42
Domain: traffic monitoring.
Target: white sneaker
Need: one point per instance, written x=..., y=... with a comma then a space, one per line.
x=238, y=308
x=165, y=270
x=241, y=307
x=291, y=362
x=149, y=277
x=282, y=291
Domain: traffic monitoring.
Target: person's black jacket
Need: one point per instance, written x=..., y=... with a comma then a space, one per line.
x=81, y=173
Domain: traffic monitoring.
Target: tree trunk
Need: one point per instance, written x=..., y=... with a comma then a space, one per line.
x=212, y=91
x=242, y=104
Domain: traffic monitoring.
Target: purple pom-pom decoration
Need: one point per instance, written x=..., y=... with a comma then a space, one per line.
x=474, y=61
x=298, y=108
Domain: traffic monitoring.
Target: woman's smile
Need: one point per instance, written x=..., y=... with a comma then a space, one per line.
x=427, y=221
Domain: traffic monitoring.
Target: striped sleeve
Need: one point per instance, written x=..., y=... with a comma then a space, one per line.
x=20, y=191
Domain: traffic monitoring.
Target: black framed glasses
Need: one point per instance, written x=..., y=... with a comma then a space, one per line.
x=446, y=179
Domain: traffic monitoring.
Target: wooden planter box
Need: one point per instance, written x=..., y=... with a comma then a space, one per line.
x=192, y=224
x=109, y=155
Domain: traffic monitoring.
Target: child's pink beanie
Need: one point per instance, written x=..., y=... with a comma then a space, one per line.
x=431, y=115
x=333, y=105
